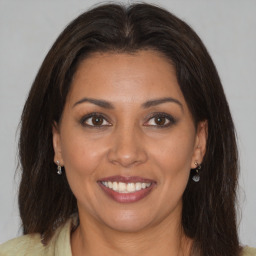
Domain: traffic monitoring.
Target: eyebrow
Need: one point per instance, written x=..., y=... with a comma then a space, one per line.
x=155, y=102
x=100, y=103
x=147, y=104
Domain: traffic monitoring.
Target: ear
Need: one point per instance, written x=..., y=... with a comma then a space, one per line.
x=200, y=143
x=56, y=140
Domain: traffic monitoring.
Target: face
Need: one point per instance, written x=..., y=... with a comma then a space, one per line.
x=127, y=140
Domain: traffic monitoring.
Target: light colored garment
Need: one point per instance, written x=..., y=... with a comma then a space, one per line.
x=30, y=245
x=59, y=245
x=248, y=251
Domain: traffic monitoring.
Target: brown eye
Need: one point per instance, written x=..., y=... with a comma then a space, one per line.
x=97, y=120
x=160, y=120
x=94, y=120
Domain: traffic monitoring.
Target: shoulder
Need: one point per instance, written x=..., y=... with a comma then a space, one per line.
x=24, y=245
x=31, y=245
x=249, y=251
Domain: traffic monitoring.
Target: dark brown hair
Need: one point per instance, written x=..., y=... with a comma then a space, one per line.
x=45, y=199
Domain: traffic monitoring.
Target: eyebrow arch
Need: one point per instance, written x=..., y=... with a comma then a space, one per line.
x=147, y=104
x=155, y=102
x=100, y=103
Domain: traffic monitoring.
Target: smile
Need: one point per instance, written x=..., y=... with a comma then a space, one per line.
x=126, y=189
x=122, y=187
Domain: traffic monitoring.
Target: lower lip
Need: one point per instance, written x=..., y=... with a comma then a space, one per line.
x=126, y=197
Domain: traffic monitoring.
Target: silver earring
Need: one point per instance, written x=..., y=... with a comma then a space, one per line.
x=196, y=177
x=59, y=169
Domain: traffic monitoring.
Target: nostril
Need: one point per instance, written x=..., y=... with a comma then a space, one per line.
x=127, y=157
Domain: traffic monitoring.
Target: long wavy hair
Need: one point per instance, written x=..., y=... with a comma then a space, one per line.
x=45, y=199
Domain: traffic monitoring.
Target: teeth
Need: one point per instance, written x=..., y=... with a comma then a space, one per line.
x=130, y=187
x=122, y=187
x=138, y=186
x=114, y=186
x=109, y=184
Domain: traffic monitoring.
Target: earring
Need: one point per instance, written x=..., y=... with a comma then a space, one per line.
x=59, y=170
x=196, y=177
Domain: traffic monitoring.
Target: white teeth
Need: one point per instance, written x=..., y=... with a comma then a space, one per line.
x=114, y=186
x=138, y=186
x=122, y=187
x=130, y=187
x=109, y=184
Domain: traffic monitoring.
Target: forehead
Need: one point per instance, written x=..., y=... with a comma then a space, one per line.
x=125, y=77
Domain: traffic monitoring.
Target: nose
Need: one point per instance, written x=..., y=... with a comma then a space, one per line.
x=127, y=148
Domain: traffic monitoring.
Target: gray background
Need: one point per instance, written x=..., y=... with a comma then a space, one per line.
x=28, y=29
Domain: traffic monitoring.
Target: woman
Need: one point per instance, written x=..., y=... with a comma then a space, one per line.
x=127, y=144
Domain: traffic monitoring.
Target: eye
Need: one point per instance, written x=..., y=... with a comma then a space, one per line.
x=160, y=120
x=95, y=120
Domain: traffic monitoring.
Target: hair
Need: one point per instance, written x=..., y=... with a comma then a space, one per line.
x=46, y=200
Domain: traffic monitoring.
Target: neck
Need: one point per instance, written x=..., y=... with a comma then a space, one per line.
x=165, y=238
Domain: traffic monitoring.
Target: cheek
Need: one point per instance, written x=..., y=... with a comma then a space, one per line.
x=177, y=151
x=81, y=156
x=81, y=160
x=173, y=162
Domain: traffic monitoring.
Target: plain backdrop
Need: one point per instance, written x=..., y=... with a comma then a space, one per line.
x=29, y=28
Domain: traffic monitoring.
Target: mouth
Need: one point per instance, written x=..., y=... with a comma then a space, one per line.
x=126, y=189
x=122, y=187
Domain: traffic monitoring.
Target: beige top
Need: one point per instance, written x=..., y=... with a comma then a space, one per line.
x=30, y=245
x=59, y=245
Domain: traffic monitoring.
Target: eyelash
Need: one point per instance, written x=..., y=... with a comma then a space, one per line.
x=96, y=115
x=171, y=119
x=84, y=119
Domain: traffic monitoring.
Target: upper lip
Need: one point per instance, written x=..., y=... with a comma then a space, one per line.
x=127, y=179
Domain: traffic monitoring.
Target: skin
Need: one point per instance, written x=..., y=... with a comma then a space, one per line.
x=128, y=142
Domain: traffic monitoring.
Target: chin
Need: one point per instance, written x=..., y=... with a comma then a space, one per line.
x=127, y=221
x=129, y=226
